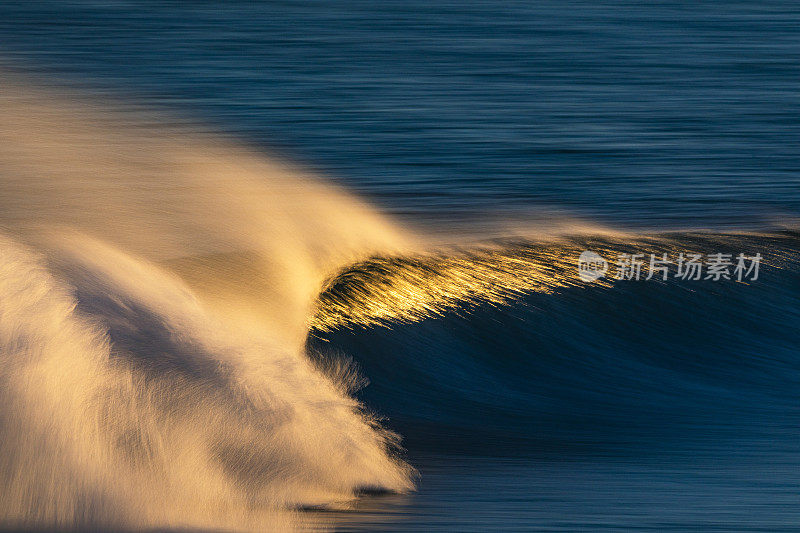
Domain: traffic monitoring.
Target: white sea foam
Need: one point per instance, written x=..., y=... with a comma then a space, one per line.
x=155, y=287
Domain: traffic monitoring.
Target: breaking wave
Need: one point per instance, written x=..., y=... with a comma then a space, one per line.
x=174, y=306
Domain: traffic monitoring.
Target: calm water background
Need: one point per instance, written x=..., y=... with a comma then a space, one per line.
x=641, y=114
x=638, y=115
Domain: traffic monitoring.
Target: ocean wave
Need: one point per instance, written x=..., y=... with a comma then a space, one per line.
x=174, y=309
x=505, y=346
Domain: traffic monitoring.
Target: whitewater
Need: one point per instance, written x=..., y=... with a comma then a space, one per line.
x=133, y=397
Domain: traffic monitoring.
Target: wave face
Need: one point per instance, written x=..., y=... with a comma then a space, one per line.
x=504, y=348
x=144, y=381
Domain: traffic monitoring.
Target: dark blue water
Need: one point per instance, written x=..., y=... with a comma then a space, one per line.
x=651, y=407
x=643, y=114
x=479, y=494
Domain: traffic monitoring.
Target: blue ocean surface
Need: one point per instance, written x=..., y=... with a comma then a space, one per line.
x=644, y=406
x=665, y=114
